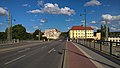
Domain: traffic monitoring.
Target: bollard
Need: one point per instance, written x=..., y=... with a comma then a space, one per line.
x=94, y=44
x=100, y=45
x=110, y=48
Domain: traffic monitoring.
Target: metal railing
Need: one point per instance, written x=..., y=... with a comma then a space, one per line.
x=108, y=47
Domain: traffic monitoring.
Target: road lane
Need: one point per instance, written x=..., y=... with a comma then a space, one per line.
x=35, y=56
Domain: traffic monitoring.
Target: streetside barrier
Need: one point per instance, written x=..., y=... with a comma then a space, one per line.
x=108, y=47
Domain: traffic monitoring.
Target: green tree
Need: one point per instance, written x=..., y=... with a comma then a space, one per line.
x=37, y=33
x=3, y=36
x=18, y=32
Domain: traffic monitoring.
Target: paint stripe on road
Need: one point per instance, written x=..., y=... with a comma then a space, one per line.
x=24, y=50
x=14, y=59
x=50, y=50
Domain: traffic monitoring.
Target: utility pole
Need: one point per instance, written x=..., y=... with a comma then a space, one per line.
x=39, y=33
x=9, y=28
x=106, y=22
x=85, y=26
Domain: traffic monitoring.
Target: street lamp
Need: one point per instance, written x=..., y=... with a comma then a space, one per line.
x=85, y=25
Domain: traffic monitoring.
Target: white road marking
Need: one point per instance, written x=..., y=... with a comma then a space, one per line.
x=24, y=50
x=98, y=65
x=14, y=59
x=50, y=50
x=44, y=47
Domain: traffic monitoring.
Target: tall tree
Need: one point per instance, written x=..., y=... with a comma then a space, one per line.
x=18, y=32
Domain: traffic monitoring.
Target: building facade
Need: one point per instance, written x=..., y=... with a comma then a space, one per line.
x=52, y=33
x=78, y=32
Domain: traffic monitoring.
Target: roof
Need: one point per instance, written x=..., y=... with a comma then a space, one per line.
x=80, y=28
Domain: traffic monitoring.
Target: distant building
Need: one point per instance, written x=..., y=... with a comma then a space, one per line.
x=114, y=37
x=78, y=32
x=52, y=33
x=97, y=35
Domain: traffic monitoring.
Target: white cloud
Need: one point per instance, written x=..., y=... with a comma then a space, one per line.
x=1, y=23
x=35, y=11
x=36, y=27
x=95, y=27
x=115, y=29
x=3, y=11
x=68, y=28
x=53, y=9
x=32, y=20
x=92, y=3
x=43, y=20
x=83, y=21
x=110, y=17
x=26, y=5
x=40, y=3
x=93, y=22
x=69, y=20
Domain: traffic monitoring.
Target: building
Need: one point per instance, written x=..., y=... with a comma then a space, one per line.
x=52, y=33
x=114, y=37
x=97, y=35
x=78, y=32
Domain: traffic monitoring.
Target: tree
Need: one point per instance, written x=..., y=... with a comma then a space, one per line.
x=37, y=33
x=3, y=36
x=18, y=32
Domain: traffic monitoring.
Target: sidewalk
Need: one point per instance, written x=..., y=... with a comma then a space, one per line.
x=77, y=56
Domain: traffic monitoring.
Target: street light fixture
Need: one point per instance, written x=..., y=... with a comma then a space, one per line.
x=85, y=25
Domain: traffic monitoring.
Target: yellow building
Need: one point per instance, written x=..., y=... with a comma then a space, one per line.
x=78, y=32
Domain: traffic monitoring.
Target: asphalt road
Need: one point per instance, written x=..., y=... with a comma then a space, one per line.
x=40, y=55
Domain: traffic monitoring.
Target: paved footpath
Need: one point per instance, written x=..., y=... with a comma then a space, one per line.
x=76, y=57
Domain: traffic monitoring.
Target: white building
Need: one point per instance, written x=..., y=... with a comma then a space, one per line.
x=78, y=32
x=52, y=33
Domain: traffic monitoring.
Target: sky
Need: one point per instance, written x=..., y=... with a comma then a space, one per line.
x=60, y=14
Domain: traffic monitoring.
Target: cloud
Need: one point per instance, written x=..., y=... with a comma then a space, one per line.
x=3, y=11
x=110, y=17
x=92, y=3
x=68, y=28
x=95, y=27
x=115, y=29
x=43, y=20
x=26, y=5
x=34, y=11
x=36, y=27
x=53, y=9
x=32, y=20
x=40, y=3
x=1, y=23
x=93, y=22
x=83, y=21
x=69, y=20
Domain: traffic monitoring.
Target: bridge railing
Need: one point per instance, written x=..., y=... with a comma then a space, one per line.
x=108, y=47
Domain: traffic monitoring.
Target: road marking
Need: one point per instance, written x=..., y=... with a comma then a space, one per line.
x=44, y=47
x=14, y=59
x=24, y=50
x=50, y=50
x=98, y=65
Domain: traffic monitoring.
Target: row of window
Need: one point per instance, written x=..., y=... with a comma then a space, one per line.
x=82, y=30
x=115, y=40
x=81, y=33
x=82, y=36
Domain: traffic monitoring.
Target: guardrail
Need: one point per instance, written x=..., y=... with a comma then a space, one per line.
x=108, y=47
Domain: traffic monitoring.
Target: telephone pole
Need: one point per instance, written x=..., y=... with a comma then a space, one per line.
x=9, y=28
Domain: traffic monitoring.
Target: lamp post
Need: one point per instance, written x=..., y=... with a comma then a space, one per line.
x=106, y=22
x=9, y=28
x=85, y=25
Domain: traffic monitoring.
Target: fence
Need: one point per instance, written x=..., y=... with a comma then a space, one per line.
x=108, y=47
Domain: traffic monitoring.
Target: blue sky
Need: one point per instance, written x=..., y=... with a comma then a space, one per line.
x=60, y=14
